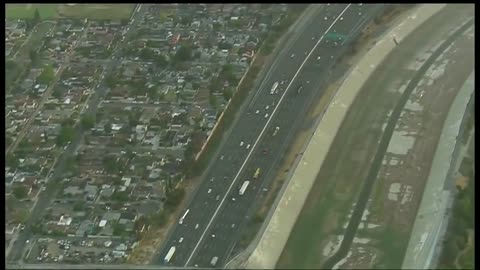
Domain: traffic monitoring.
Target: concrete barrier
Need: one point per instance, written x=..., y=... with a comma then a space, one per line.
x=272, y=242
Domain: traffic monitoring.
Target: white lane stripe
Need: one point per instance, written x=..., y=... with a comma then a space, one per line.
x=290, y=44
x=261, y=133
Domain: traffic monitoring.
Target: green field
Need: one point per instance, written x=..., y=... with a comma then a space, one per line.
x=97, y=11
x=52, y=11
x=24, y=11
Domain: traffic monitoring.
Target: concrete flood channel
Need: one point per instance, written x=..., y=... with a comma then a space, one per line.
x=379, y=155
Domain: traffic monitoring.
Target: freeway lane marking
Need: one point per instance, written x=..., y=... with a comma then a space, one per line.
x=285, y=50
x=261, y=133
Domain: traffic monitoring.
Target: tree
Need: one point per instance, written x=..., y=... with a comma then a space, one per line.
x=146, y=54
x=79, y=206
x=33, y=57
x=47, y=75
x=186, y=20
x=258, y=218
x=20, y=215
x=227, y=94
x=65, y=135
x=161, y=60
x=118, y=229
x=87, y=121
x=110, y=163
x=183, y=54
x=107, y=127
x=174, y=198
x=36, y=17
x=159, y=219
x=10, y=64
x=20, y=192
x=198, y=54
x=11, y=160
x=152, y=93
x=120, y=196
x=57, y=92
x=212, y=100
x=110, y=81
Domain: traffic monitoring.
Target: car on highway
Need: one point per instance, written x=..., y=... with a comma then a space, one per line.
x=276, y=130
x=299, y=89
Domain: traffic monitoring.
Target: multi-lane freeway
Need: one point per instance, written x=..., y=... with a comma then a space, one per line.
x=217, y=212
x=46, y=197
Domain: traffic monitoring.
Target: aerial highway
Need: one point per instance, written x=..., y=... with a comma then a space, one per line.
x=45, y=198
x=217, y=211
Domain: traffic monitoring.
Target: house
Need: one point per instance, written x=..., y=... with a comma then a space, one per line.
x=72, y=191
x=91, y=192
x=107, y=191
x=85, y=227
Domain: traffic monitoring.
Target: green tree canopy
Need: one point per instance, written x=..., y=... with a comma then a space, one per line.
x=183, y=54
x=36, y=17
x=33, y=57
x=11, y=160
x=227, y=94
x=65, y=136
x=47, y=75
x=87, y=121
x=107, y=127
x=175, y=197
x=20, y=192
x=118, y=229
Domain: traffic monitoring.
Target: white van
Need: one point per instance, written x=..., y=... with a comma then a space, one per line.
x=214, y=260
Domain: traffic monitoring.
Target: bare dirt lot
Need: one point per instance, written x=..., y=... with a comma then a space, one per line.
x=324, y=214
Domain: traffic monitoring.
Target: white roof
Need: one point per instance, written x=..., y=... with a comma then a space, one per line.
x=102, y=223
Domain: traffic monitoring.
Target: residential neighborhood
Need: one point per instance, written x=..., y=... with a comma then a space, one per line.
x=179, y=65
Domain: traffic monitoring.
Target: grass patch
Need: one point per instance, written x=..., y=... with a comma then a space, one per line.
x=97, y=11
x=52, y=11
x=170, y=96
x=393, y=244
x=26, y=11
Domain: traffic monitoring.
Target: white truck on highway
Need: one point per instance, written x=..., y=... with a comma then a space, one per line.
x=169, y=256
x=244, y=187
x=183, y=217
x=274, y=87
